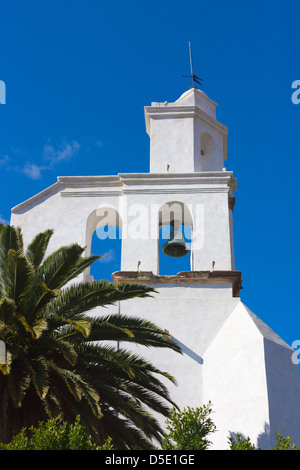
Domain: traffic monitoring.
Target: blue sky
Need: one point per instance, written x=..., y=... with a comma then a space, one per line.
x=79, y=73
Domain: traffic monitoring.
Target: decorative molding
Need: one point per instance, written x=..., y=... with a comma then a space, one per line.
x=141, y=191
x=175, y=190
x=137, y=183
x=171, y=111
x=90, y=193
x=105, y=180
x=36, y=197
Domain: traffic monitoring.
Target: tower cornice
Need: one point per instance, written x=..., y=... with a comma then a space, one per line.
x=182, y=112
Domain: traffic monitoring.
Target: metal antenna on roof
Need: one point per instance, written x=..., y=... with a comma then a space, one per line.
x=195, y=78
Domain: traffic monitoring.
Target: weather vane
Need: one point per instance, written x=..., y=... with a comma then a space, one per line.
x=194, y=77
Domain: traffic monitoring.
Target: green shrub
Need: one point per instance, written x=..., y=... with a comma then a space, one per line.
x=237, y=442
x=55, y=434
x=188, y=430
x=282, y=443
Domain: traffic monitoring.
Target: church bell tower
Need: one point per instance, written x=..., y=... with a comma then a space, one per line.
x=188, y=147
x=229, y=356
x=185, y=136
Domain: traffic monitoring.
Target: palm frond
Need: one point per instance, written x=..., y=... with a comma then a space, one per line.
x=7, y=310
x=83, y=297
x=17, y=385
x=38, y=371
x=37, y=248
x=59, y=266
x=62, y=360
x=142, y=331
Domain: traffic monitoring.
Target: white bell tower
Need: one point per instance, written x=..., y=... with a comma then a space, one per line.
x=188, y=147
x=230, y=357
x=185, y=136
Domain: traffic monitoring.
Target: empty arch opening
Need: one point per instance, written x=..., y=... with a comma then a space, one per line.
x=104, y=237
x=106, y=241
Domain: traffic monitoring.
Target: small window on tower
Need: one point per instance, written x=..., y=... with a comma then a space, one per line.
x=207, y=144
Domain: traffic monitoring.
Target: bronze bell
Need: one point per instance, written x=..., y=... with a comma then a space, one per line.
x=176, y=245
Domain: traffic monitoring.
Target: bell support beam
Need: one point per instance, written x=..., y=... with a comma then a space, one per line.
x=184, y=277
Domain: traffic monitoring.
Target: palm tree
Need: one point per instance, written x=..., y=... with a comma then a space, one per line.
x=58, y=358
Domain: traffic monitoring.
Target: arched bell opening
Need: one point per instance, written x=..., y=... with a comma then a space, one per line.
x=104, y=238
x=175, y=234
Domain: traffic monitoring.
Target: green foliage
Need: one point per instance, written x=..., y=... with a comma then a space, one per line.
x=189, y=429
x=62, y=359
x=55, y=434
x=284, y=443
x=19, y=442
x=237, y=442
